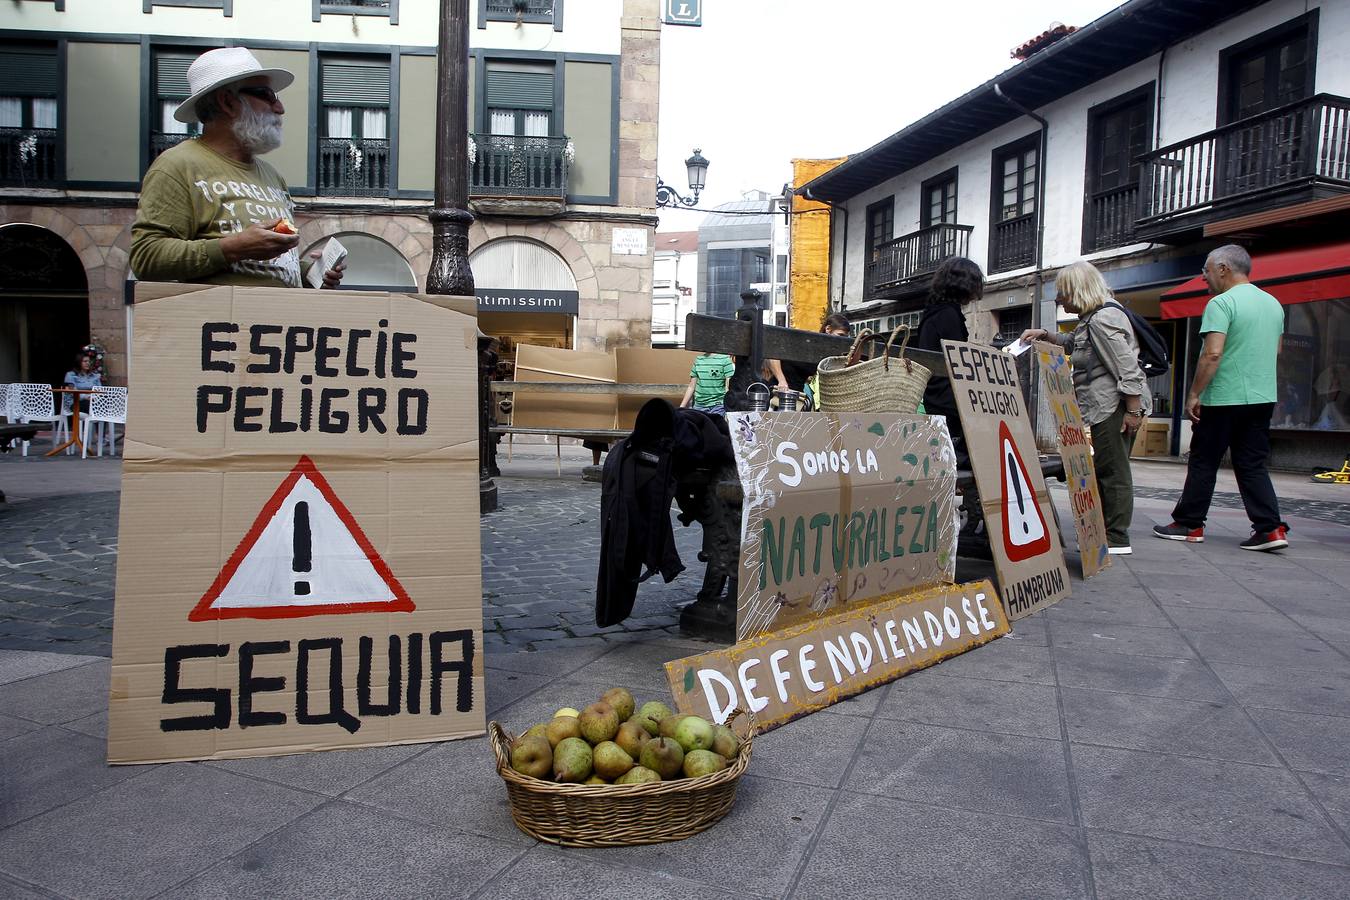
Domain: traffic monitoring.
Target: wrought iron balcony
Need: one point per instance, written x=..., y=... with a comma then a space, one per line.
x=28, y=157
x=161, y=142
x=1110, y=218
x=353, y=167
x=899, y=266
x=1012, y=244
x=529, y=9
x=526, y=167
x=1294, y=153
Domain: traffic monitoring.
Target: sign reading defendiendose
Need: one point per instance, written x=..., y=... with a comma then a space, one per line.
x=289, y=575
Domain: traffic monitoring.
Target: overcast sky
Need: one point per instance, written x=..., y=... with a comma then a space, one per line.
x=766, y=81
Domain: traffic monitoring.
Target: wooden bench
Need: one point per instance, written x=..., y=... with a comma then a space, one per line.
x=13, y=432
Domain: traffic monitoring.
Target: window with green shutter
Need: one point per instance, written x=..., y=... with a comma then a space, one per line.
x=28, y=86
x=354, y=150
x=519, y=98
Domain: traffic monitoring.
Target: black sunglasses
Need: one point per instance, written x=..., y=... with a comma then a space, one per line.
x=263, y=93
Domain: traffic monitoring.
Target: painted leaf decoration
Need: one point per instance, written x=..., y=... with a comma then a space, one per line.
x=688, y=680
x=911, y=459
x=877, y=429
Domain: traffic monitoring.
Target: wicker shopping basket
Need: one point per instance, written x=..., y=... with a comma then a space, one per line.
x=876, y=385
x=617, y=815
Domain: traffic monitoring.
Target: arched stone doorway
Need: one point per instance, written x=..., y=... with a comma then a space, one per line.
x=527, y=294
x=372, y=264
x=44, y=304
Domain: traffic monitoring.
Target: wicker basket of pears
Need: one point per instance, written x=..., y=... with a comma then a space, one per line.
x=616, y=774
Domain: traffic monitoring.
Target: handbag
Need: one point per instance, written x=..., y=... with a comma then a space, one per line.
x=876, y=385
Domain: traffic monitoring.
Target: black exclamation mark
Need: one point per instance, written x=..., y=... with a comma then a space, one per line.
x=1017, y=489
x=301, y=546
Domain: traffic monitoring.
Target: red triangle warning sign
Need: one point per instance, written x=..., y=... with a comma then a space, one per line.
x=303, y=556
x=1024, y=531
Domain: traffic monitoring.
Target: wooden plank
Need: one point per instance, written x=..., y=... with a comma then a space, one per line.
x=551, y=387
x=732, y=336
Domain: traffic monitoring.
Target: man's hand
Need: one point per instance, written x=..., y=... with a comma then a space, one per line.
x=256, y=242
x=1193, y=407
x=1131, y=424
x=333, y=277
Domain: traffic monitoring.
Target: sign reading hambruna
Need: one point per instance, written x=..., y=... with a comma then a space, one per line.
x=1084, y=498
x=1018, y=512
x=289, y=576
x=839, y=509
x=785, y=674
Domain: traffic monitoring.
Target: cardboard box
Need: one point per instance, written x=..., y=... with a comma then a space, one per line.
x=297, y=570
x=624, y=365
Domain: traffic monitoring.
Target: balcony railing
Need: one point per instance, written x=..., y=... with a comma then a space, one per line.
x=1303, y=143
x=532, y=8
x=353, y=167
x=28, y=157
x=161, y=142
x=528, y=167
x=1012, y=243
x=906, y=259
x=1110, y=218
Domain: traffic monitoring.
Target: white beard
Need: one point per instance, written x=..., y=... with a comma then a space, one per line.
x=257, y=132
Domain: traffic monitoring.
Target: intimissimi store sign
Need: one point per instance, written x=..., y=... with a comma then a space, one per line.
x=527, y=300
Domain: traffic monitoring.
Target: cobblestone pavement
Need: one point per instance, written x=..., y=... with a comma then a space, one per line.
x=58, y=560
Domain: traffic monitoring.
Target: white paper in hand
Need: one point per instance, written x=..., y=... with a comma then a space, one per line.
x=333, y=253
x=1017, y=347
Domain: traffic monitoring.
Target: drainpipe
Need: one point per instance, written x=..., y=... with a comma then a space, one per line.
x=1037, y=313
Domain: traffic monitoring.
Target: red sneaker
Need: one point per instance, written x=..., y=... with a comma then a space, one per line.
x=1175, y=532
x=1271, y=540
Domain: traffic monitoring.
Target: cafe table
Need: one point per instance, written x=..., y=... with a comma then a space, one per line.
x=76, y=395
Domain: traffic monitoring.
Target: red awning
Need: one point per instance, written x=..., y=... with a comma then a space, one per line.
x=1292, y=276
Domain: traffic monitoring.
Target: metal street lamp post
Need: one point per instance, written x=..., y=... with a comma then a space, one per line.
x=697, y=168
x=450, y=216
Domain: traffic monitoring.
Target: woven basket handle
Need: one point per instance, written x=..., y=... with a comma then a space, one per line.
x=855, y=352
x=909, y=368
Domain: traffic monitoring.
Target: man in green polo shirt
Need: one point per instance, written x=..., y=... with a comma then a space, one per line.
x=1231, y=401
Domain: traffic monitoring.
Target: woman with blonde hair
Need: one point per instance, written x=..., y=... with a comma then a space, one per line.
x=1110, y=386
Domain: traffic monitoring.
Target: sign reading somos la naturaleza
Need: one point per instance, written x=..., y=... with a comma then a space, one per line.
x=785, y=674
x=1017, y=510
x=838, y=509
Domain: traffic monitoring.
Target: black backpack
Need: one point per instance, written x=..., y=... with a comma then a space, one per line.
x=1152, y=348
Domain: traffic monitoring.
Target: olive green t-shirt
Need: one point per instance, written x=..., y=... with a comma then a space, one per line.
x=193, y=196
x=1253, y=322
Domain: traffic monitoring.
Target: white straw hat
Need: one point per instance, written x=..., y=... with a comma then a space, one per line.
x=217, y=68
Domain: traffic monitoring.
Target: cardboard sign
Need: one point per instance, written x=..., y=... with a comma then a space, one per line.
x=786, y=674
x=838, y=509
x=297, y=570
x=1084, y=498
x=1018, y=513
x=623, y=365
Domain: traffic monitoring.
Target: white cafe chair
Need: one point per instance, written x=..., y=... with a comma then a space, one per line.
x=107, y=410
x=37, y=403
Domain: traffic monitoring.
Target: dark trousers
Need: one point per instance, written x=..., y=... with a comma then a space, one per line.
x=1115, y=481
x=1245, y=430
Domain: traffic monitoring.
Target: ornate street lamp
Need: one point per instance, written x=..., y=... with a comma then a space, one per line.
x=667, y=196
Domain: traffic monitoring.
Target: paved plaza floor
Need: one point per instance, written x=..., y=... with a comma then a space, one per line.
x=1176, y=728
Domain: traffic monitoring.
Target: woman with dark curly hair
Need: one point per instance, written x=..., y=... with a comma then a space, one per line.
x=956, y=284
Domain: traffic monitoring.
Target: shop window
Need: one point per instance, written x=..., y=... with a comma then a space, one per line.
x=1314, y=367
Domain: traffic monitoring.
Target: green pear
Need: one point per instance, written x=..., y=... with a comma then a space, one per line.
x=702, y=762
x=531, y=755
x=638, y=775
x=631, y=737
x=622, y=701
x=611, y=760
x=667, y=726
x=566, y=711
x=651, y=714
x=663, y=756
x=562, y=727
x=694, y=733
x=572, y=760
x=540, y=730
x=727, y=743
x=595, y=779
x=599, y=723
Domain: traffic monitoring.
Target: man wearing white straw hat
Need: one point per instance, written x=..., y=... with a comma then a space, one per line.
x=210, y=209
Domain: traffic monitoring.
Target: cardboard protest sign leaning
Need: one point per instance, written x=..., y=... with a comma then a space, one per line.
x=1018, y=513
x=839, y=509
x=299, y=564
x=785, y=674
x=1084, y=498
